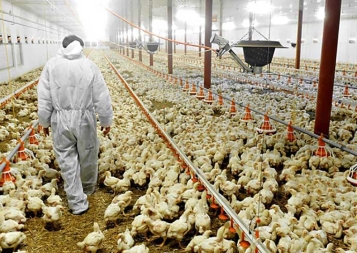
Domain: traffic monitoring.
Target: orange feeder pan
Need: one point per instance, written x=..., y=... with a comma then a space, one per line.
x=245, y=244
x=321, y=149
x=213, y=204
x=193, y=90
x=346, y=93
x=6, y=175
x=187, y=87
x=247, y=115
x=222, y=215
x=231, y=228
x=201, y=94
x=32, y=137
x=290, y=135
x=209, y=99
x=233, y=110
x=266, y=127
x=21, y=152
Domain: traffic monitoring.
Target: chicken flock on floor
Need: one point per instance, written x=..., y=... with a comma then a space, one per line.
x=320, y=201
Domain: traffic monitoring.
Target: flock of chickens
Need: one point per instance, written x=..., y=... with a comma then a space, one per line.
x=236, y=160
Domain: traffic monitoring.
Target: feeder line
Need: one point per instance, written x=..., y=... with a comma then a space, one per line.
x=220, y=199
x=153, y=34
x=13, y=152
x=334, y=144
x=8, y=98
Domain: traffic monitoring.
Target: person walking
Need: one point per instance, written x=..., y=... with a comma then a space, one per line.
x=71, y=90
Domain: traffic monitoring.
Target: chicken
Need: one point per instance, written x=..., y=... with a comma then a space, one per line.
x=125, y=241
x=53, y=199
x=112, y=213
x=138, y=225
x=123, y=200
x=198, y=239
x=52, y=214
x=93, y=241
x=179, y=228
x=158, y=228
x=47, y=188
x=9, y=225
x=137, y=249
x=12, y=240
x=33, y=204
x=109, y=179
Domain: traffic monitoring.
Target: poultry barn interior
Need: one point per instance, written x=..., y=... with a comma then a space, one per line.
x=234, y=127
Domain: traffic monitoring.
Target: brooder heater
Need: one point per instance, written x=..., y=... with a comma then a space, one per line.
x=257, y=53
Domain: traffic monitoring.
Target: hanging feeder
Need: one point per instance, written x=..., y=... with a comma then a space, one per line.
x=266, y=127
x=247, y=115
x=151, y=47
x=193, y=90
x=209, y=99
x=233, y=109
x=242, y=242
x=231, y=228
x=201, y=94
x=32, y=137
x=322, y=150
x=6, y=173
x=290, y=133
x=352, y=175
x=186, y=87
x=346, y=93
x=21, y=153
x=222, y=215
x=213, y=204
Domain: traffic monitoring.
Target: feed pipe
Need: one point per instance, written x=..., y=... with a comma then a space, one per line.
x=334, y=144
x=23, y=138
x=218, y=197
x=17, y=93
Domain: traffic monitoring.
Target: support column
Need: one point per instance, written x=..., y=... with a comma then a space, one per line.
x=200, y=31
x=220, y=28
x=208, y=53
x=327, y=66
x=127, y=28
x=299, y=31
x=169, y=35
x=150, y=30
x=139, y=36
x=185, y=37
x=132, y=28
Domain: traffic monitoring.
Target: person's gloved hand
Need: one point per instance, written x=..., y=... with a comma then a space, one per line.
x=46, y=131
x=105, y=130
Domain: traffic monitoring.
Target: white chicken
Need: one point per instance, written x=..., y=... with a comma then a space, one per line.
x=52, y=214
x=12, y=240
x=9, y=225
x=53, y=199
x=123, y=200
x=93, y=241
x=137, y=249
x=125, y=241
x=198, y=239
x=179, y=228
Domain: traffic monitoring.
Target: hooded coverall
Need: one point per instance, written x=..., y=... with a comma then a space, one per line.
x=71, y=90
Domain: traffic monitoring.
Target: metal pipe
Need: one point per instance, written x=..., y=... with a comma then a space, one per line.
x=299, y=31
x=13, y=152
x=169, y=35
x=327, y=66
x=150, y=30
x=220, y=199
x=208, y=53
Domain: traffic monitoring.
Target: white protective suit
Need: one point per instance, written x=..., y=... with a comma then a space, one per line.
x=70, y=91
